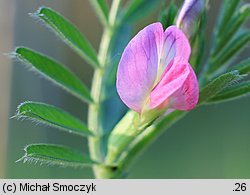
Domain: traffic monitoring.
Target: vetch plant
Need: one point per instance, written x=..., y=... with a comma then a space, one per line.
x=163, y=73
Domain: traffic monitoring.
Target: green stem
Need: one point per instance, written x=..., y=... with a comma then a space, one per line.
x=96, y=144
x=147, y=137
x=127, y=130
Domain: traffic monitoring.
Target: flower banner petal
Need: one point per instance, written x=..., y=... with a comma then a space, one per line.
x=175, y=45
x=138, y=66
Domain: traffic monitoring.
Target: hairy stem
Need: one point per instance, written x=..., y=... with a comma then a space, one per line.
x=96, y=144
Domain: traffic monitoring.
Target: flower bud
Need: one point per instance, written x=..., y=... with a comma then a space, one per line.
x=189, y=13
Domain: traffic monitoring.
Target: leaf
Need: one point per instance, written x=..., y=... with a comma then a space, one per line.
x=167, y=16
x=68, y=33
x=218, y=84
x=243, y=67
x=55, y=155
x=231, y=93
x=228, y=52
x=52, y=116
x=229, y=7
x=233, y=27
x=120, y=40
x=198, y=43
x=139, y=8
x=54, y=71
x=101, y=9
x=113, y=107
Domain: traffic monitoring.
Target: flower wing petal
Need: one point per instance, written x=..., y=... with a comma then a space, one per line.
x=178, y=88
x=137, y=69
x=186, y=98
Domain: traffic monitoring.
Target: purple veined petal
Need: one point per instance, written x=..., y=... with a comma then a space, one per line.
x=175, y=45
x=178, y=88
x=138, y=66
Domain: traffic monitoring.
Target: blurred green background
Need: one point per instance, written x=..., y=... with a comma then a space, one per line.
x=210, y=142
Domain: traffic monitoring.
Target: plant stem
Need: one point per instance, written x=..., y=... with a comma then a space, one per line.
x=142, y=141
x=96, y=144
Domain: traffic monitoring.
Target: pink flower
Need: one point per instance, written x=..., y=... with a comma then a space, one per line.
x=154, y=72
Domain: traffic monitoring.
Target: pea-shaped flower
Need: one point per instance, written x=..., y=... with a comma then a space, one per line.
x=154, y=72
